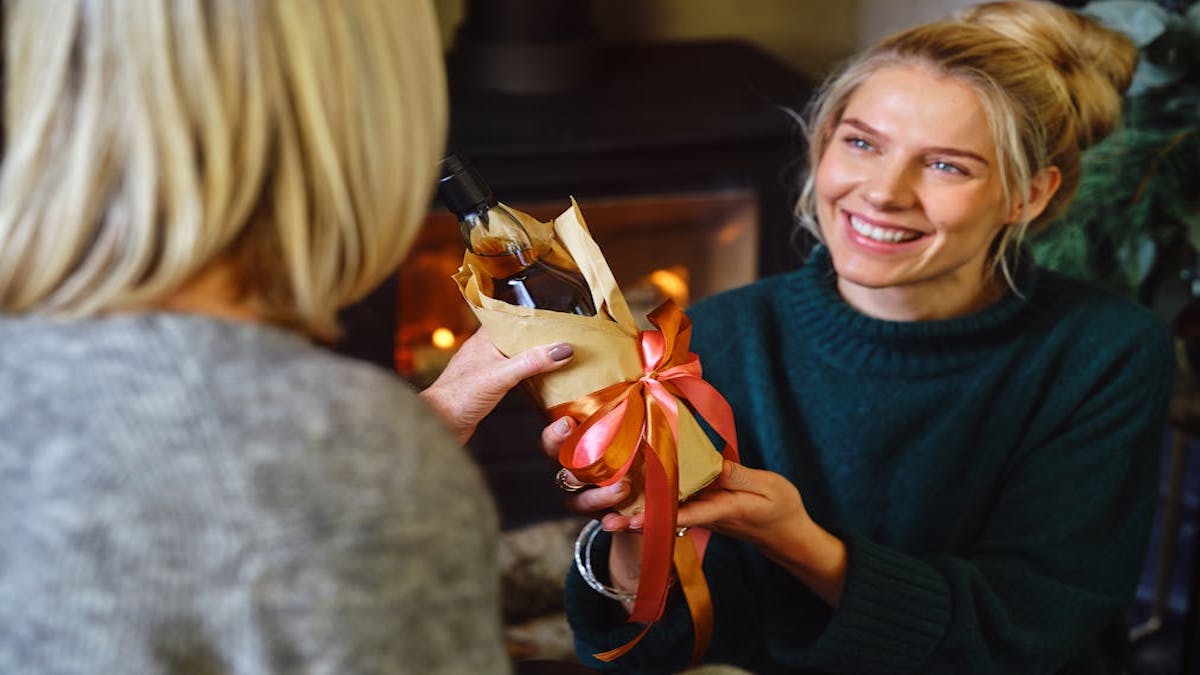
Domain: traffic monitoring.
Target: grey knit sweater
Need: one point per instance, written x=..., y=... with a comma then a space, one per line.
x=185, y=495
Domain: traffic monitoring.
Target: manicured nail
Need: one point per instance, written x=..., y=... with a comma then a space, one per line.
x=561, y=352
x=563, y=426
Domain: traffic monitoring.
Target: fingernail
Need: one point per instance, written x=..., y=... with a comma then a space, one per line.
x=622, y=487
x=561, y=352
x=563, y=426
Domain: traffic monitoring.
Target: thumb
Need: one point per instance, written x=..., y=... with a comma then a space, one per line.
x=737, y=477
x=533, y=361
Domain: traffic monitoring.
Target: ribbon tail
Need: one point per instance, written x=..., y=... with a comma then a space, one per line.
x=658, y=538
x=613, y=654
x=657, y=556
x=695, y=590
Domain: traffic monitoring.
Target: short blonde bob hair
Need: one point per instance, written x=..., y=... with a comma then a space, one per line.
x=1050, y=80
x=146, y=140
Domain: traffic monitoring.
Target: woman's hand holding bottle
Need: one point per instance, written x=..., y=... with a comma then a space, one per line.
x=478, y=376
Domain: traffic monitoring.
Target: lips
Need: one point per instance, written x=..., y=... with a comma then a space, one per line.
x=881, y=233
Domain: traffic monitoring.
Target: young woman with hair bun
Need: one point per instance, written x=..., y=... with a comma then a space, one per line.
x=950, y=454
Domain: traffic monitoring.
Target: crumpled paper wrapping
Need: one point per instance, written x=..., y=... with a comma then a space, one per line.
x=606, y=345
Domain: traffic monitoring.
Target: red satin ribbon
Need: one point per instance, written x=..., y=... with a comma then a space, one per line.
x=640, y=418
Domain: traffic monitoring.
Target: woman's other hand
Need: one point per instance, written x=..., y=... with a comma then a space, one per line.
x=478, y=376
x=596, y=501
x=765, y=509
x=625, y=554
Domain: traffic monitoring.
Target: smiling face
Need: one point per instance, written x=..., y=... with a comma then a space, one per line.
x=909, y=197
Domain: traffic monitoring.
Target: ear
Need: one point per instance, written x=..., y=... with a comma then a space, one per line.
x=1041, y=190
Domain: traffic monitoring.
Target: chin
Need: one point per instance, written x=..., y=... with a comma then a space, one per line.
x=866, y=274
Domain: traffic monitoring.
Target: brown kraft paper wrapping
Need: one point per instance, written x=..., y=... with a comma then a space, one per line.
x=606, y=345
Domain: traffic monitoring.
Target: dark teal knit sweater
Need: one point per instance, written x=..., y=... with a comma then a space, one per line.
x=993, y=477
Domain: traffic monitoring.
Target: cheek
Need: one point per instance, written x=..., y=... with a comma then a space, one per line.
x=831, y=178
x=982, y=214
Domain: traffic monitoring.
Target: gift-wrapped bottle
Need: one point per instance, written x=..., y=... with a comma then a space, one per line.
x=516, y=262
x=636, y=395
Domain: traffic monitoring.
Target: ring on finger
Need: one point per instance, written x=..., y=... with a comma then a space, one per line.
x=560, y=479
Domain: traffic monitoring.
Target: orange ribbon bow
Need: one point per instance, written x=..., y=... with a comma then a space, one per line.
x=641, y=418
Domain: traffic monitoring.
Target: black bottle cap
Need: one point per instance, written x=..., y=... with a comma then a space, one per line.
x=461, y=188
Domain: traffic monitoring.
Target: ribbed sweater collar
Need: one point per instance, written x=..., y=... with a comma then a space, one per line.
x=854, y=342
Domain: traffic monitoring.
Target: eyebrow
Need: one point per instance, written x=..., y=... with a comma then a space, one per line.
x=956, y=152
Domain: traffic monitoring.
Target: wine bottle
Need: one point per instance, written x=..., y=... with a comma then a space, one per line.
x=505, y=249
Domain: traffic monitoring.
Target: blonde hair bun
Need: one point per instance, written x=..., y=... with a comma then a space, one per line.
x=1096, y=64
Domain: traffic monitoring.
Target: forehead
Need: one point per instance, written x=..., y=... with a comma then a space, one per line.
x=915, y=105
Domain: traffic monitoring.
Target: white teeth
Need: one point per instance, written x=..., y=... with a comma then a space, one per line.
x=880, y=234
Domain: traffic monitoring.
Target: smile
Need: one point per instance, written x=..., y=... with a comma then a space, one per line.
x=881, y=234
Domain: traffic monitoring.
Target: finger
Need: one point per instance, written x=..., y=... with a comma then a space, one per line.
x=567, y=481
x=597, y=499
x=533, y=361
x=701, y=512
x=478, y=353
x=739, y=478
x=614, y=522
x=554, y=435
x=479, y=342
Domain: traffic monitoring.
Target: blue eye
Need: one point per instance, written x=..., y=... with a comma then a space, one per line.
x=947, y=167
x=855, y=142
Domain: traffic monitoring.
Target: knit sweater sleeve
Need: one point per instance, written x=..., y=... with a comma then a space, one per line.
x=600, y=624
x=1058, y=559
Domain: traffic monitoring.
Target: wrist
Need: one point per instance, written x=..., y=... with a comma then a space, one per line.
x=625, y=560
x=623, y=556
x=449, y=416
x=592, y=574
x=816, y=557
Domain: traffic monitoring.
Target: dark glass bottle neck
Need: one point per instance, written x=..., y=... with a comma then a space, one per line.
x=462, y=189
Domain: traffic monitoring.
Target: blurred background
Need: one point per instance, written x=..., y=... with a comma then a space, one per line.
x=808, y=35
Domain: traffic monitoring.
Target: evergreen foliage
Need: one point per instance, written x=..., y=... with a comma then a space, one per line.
x=1135, y=223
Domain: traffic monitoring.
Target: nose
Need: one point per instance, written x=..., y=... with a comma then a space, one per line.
x=890, y=186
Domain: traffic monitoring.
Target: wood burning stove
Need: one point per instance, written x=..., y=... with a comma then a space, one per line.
x=684, y=159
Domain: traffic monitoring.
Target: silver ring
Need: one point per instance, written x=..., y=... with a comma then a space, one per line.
x=560, y=479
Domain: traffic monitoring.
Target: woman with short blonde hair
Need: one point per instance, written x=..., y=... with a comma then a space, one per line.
x=295, y=143
x=190, y=191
